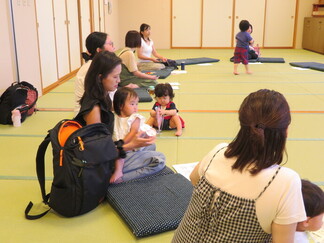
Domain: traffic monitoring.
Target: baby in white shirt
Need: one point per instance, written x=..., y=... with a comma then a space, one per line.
x=127, y=123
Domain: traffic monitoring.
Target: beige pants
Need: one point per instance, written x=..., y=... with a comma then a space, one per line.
x=150, y=66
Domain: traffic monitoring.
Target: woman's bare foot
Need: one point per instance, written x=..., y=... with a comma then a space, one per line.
x=236, y=73
x=248, y=72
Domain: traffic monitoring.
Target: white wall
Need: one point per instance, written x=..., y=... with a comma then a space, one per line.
x=27, y=43
x=112, y=22
x=7, y=65
x=156, y=13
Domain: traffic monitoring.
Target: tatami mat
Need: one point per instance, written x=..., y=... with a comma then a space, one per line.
x=23, y=149
x=101, y=225
x=56, y=100
x=208, y=98
x=37, y=124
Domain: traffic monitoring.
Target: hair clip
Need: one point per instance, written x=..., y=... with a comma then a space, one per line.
x=260, y=126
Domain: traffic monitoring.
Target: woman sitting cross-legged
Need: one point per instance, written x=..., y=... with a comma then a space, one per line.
x=130, y=72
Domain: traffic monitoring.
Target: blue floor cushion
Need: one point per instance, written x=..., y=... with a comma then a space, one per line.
x=265, y=60
x=143, y=95
x=152, y=204
x=191, y=61
x=312, y=65
x=271, y=60
x=163, y=73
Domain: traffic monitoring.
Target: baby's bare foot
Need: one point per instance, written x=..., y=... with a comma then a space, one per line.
x=116, y=177
x=178, y=133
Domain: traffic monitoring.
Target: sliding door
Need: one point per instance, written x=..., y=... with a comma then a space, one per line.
x=46, y=42
x=61, y=34
x=280, y=23
x=253, y=11
x=84, y=21
x=73, y=34
x=96, y=15
x=217, y=23
x=101, y=16
x=186, y=23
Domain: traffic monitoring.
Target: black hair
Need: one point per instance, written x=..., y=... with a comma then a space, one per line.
x=264, y=118
x=313, y=197
x=133, y=39
x=102, y=65
x=120, y=98
x=163, y=90
x=144, y=27
x=94, y=40
x=244, y=25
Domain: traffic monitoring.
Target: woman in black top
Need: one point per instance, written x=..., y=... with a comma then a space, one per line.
x=96, y=105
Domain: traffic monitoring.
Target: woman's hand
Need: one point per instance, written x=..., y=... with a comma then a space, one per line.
x=139, y=140
x=164, y=59
x=132, y=86
x=160, y=59
x=144, y=75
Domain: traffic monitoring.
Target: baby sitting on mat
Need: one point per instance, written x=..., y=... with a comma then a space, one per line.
x=164, y=114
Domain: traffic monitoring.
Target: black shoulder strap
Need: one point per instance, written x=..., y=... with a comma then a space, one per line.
x=40, y=169
x=123, y=51
x=265, y=188
x=212, y=159
x=40, y=165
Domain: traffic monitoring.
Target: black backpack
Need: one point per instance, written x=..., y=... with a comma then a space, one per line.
x=170, y=63
x=83, y=158
x=22, y=96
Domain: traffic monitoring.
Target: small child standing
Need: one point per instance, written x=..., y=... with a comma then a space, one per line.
x=127, y=123
x=165, y=108
x=243, y=41
x=313, y=197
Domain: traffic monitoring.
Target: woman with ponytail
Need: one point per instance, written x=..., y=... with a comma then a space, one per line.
x=95, y=42
x=242, y=193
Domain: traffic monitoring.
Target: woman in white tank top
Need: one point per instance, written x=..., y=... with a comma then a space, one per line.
x=145, y=52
